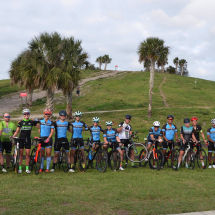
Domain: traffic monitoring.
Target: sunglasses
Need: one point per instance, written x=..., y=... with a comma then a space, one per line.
x=77, y=116
x=128, y=118
x=170, y=119
x=62, y=115
x=95, y=121
x=7, y=116
x=47, y=114
x=26, y=113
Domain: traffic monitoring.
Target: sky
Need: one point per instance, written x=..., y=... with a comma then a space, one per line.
x=116, y=28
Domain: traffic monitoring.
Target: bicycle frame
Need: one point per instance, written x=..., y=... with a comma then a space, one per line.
x=185, y=153
x=38, y=148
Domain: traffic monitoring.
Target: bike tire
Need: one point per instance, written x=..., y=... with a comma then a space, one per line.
x=38, y=162
x=141, y=156
x=199, y=160
x=65, y=165
x=174, y=159
x=12, y=165
x=17, y=161
x=139, y=147
x=88, y=161
x=158, y=162
x=101, y=160
x=190, y=159
x=81, y=160
x=58, y=161
x=115, y=160
x=32, y=162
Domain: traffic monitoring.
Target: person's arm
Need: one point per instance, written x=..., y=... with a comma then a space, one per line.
x=203, y=136
x=194, y=138
x=105, y=140
x=16, y=132
x=121, y=126
x=209, y=138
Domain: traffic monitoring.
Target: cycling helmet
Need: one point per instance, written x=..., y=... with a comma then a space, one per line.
x=62, y=113
x=194, y=118
x=156, y=123
x=26, y=111
x=213, y=121
x=96, y=119
x=186, y=120
x=170, y=116
x=128, y=116
x=78, y=113
x=109, y=123
x=47, y=111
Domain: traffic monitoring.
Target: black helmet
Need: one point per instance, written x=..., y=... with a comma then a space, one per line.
x=128, y=116
x=186, y=120
x=62, y=113
x=170, y=116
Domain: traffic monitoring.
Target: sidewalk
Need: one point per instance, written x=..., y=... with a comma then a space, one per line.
x=198, y=213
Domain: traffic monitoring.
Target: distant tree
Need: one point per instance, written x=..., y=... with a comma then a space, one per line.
x=106, y=60
x=99, y=60
x=92, y=67
x=151, y=49
x=163, y=59
x=185, y=70
x=182, y=62
x=82, y=59
x=170, y=69
x=176, y=61
x=147, y=64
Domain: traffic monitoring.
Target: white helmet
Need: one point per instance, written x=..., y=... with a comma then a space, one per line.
x=213, y=121
x=78, y=113
x=156, y=123
x=26, y=111
x=96, y=119
x=109, y=123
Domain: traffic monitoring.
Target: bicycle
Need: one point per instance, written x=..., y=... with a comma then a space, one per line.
x=100, y=156
x=63, y=158
x=36, y=156
x=188, y=158
x=14, y=160
x=200, y=153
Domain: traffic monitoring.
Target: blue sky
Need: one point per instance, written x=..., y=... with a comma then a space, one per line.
x=115, y=28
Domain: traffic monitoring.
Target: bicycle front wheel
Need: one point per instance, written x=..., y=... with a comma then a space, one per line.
x=174, y=160
x=101, y=160
x=143, y=156
x=81, y=160
x=32, y=162
x=202, y=159
x=65, y=161
x=134, y=156
x=156, y=160
x=38, y=162
x=17, y=161
x=190, y=159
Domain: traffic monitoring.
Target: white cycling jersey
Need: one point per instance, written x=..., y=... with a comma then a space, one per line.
x=124, y=134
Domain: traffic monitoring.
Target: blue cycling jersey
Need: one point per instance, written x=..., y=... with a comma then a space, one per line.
x=77, y=129
x=155, y=133
x=169, y=131
x=60, y=129
x=211, y=132
x=45, y=127
x=95, y=132
x=110, y=135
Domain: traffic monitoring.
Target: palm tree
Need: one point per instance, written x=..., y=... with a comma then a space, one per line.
x=151, y=49
x=182, y=62
x=99, y=60
x=176, y=61
x=82, y=59
x=106, y=59
x=163, y=59
x=147, y=64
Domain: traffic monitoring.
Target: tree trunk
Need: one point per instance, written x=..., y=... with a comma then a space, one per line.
x=100, y=65
x=50, y=99
x=151, y=85
x=29, y=98
x=162, y=68
x=182, y=68
x=105, y=65
x=69, y=105
x=176, y=69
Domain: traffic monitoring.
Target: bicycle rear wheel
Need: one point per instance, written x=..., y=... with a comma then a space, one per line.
x=32, y=155
x=101, y=160
x=174, y=160
x=65, y=161
x=12, y=164
x=115, y=160
x=38, y=162
x=190, y=159
x=139, y=147
x=157, y=161
x=81, y=160
x=88, y=161
x=202, y=161
x=142, y=156
x=17, y=161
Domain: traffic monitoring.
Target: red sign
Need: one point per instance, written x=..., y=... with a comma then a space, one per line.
x=23, y=94
x=116, y=66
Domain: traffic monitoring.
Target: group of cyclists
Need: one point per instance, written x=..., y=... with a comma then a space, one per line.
x=118, y=138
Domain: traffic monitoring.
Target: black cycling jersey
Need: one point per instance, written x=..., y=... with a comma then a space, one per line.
x=26, y=127
x=187, y=132
x=197, y=131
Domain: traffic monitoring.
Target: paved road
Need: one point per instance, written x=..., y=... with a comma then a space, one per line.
x=197, y=213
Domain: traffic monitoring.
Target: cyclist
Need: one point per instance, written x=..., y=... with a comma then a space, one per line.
x=111, y=137
x=7, y=130
x=197, y=129
x=124, y=131
x=46, y=131
x=24, y=127
x=77, y=128
x=169, y=131
x=95, y=131
x=186, y=135
x=61, y=126
x=155, y=134
x=211, y=146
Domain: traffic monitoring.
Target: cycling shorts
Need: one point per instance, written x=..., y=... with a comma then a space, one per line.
x=46, y=145
x=58, y=144
x=25, y=143
x=75, y=141
x=168, y=144
x=115, y=144
x=91, y=143
x=126, y=142
x=211, y=147
x=7, y=146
